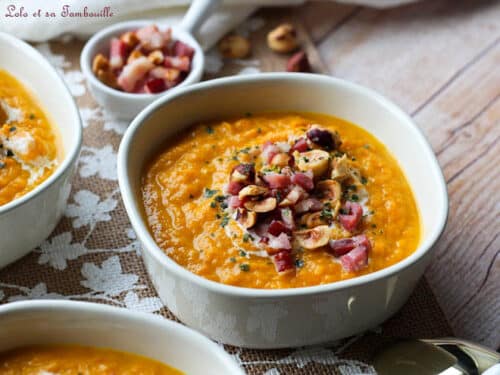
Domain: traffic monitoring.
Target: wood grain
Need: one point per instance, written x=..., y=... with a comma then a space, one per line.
x=408, y=53
x=440, y=60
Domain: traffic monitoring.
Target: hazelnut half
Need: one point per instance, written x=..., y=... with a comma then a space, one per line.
x=234, y=47
x=283, y=39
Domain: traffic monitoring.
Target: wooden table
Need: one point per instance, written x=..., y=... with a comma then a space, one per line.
x=440, y=61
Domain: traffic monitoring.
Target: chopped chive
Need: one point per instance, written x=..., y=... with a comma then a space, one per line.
x=245, y=267
x=2, y=165
x=243, y=253
x=210, y=130
x=364, y=180
x=208, y=193
x=232, y=259
x=299, y=263
x=12, y=128
x=32, y=116
x=9, y=153
x=213, y=204
x=354, y=198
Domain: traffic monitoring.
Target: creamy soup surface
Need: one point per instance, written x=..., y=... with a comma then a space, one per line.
x=28, y=143
x=279, y=200
x=78, y=360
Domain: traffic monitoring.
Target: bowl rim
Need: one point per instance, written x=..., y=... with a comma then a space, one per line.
x=150, y=246
x=138, y=318
x=70, y=155
x=107, y=32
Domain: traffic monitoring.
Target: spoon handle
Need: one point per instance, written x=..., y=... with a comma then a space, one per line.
x=197, y=14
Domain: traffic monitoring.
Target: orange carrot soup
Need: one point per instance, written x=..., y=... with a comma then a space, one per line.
x=280, y=200
x=78, y=360
x=28, y=152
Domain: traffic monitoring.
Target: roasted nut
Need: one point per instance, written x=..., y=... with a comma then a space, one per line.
x=265, y=205
x=283, y=39
x=130, y=39
x=107, y=77
x=281, y=160
x=252, y=191
x=156, y=57
x=314, y=160
x=100, y=62
x=244, y=172
x=134, y=55
x=342, y=169
x=329, y=190
x=298, y=63
x=234, y=47
x=246, y=218
x=313, y=238
x=312, y=220
x=324, y=137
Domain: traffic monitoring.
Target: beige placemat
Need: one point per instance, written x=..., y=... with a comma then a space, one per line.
x=93, y=254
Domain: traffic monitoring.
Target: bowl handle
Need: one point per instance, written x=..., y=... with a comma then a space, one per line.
x=197, y=13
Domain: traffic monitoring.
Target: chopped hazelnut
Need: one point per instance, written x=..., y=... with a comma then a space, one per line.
x=100, y=62
x=234, y=47
x=283, y=39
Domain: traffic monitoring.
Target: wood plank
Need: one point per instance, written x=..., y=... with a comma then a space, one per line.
x=323, y=17
x=408, y=53
x=463, y=126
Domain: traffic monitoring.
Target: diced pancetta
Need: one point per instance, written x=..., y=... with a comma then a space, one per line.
x=276, y=180
x=309, y=204
x=133, y=73
x=353, y=212
x=304, y=180
x=283, y=261
x=355, y=260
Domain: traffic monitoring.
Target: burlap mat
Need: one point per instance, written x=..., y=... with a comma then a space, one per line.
x=93, y=253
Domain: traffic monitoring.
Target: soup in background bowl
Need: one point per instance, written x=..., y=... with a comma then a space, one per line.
x=40, y=140
x=280, y=316
x=60, y=337
x=29, y=149
x=78, y=360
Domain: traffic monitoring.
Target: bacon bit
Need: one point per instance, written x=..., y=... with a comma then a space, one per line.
x=244, y=173
x=352, y=217
x=304, y=180
x=269, y=150
x=152, y=38
x=293, y=196
x=181, y=63
x=309, y=204
x=355, y=260
x=234, y=187
x=281, y=242
x=300, y=145
x=277, y=227
x=283, y=261
x=182, y=49
x=117, y=53
x=133, y=72
x=276, y=180
x=345, y=245
x=155, y=85
x=234, y=202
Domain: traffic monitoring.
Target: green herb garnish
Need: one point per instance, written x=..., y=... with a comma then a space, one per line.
x=208, y=193
x=210, y=130
x=245, y=267
x=299, y=263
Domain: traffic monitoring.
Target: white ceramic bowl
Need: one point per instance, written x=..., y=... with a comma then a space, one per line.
x=126, y=105
x=90, y=324
x=289, y=317
x=28, y=220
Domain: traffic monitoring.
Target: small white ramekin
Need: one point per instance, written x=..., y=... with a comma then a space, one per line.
x=28, y=220
x=89, y=324
x=124, y=105
x=260, y=318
